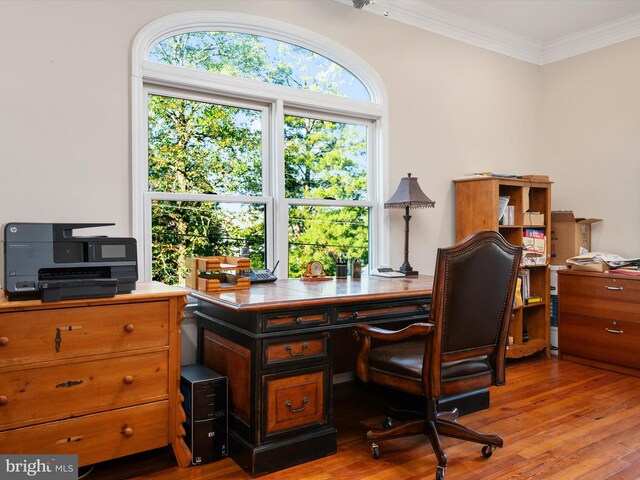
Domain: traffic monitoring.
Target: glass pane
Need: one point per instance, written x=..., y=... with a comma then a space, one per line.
x=198, y=147
x=316, y=231
x=188, y=229
x=258, y=58
x=325, y=160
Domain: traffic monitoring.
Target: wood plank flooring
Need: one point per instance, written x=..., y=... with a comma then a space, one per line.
x=559, y=420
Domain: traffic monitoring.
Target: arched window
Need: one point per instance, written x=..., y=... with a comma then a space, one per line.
x=254, y=137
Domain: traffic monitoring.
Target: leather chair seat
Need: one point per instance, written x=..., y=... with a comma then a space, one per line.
x=405, y=359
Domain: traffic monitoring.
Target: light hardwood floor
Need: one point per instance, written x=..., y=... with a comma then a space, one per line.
x=559, y=420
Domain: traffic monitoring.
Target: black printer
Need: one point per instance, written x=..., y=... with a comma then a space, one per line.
x=45, y=261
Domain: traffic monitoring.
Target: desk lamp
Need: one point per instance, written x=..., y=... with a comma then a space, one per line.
x=408, y=195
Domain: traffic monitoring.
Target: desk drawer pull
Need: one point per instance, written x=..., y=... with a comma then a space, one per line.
x=305, y=345
x=424, y=307
x=3, y=400
x=70, y=383
x=611, y=330
x=288, y=404
x=77, y=438
x=4, y=341
x=299, y=320
x=355, y=315
x=613, y=288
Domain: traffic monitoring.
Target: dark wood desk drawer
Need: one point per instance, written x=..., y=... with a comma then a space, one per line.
x=600, y=339
x=371, y=311
x=295, y=401
x=295, y=319
x=295, y=349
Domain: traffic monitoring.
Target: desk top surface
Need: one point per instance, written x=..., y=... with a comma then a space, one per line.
x=293, y=292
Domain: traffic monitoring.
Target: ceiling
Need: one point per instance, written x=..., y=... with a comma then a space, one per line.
x=536, y=31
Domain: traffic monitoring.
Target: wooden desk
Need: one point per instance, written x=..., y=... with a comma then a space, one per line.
x=94, y=377
x=275, y=343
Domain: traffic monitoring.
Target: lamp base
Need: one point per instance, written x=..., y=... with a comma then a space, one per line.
x=409, y=272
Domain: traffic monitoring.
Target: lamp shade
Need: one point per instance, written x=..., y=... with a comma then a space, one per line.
x=409, y=194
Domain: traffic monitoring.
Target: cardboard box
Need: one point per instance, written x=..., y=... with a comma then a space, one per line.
x=591, y=267
x=533, y=219
x=569, y=235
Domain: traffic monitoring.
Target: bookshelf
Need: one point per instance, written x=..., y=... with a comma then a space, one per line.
x=477, y=208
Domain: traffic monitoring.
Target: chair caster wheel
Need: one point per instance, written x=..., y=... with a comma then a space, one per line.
x=375, y=451
x=487, y=451
x=440, y=473
x=388, y=423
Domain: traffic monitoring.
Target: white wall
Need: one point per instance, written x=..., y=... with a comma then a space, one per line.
x=591, y=142
x=65, y=115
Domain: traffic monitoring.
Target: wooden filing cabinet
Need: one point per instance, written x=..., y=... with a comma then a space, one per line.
x=599, y=320
x=94, y=377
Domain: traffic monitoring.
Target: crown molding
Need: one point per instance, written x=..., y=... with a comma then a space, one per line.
x=482, y=35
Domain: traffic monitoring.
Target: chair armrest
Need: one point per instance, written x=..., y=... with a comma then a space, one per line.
x=376, y=333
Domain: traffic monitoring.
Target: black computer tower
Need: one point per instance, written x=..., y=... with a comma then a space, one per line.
x=205, y=404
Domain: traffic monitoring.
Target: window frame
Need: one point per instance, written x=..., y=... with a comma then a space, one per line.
x=275, y=102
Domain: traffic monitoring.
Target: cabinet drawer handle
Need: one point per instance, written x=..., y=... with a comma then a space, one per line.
x=128, y=379
x=288, y=404
x=4, y=341
x=59, y=330
x=287, y=347
x=355, y=315
x=299, y=320
x=77, y=438
x=129, y=327
x=70, y=383
x=127, y=432
x=613, y=288
x=424, y=307
x=3, y=400
x=611, y=330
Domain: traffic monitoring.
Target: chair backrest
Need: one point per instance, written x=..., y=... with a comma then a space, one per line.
x=473, y=293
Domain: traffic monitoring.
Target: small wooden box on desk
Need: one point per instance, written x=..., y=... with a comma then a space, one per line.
x=98, y=378
x=477, y=205
x=599, y=320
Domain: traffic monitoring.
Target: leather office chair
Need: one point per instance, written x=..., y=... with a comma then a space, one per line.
x=461, y=349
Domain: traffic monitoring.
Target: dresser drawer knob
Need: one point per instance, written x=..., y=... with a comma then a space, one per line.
x=424, y=307
x=611, y=330
x=355, y=315
x=613, y=288
x=4, y=341
x=128, y=379
x=3, y=400
x=127, y=432
x=299, y=320
x=129, y=327
x=288, y=348
x=289, y=405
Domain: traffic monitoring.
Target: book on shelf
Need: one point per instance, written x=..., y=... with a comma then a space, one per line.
x=534, y=244
x=533, y=299
x=517, y=299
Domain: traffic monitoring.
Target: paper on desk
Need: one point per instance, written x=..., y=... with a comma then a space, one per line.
x=610, y=259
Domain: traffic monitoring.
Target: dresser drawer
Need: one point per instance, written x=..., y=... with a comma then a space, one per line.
x=52, y=334
x=94, y=438
x=603, y=296
x=294, y=401
x=35, y=395
x=371, y=311
x=601, y=339
x=295, y=349
x=295, y=319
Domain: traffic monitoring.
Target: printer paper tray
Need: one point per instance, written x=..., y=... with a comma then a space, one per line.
x=56, y=290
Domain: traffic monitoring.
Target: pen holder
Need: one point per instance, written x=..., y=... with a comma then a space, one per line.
x=341, y=270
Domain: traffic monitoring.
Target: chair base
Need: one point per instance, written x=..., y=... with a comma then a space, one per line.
x=434, y=426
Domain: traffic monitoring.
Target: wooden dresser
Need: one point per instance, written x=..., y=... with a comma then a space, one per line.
x=599, y=320
x=94, y=377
